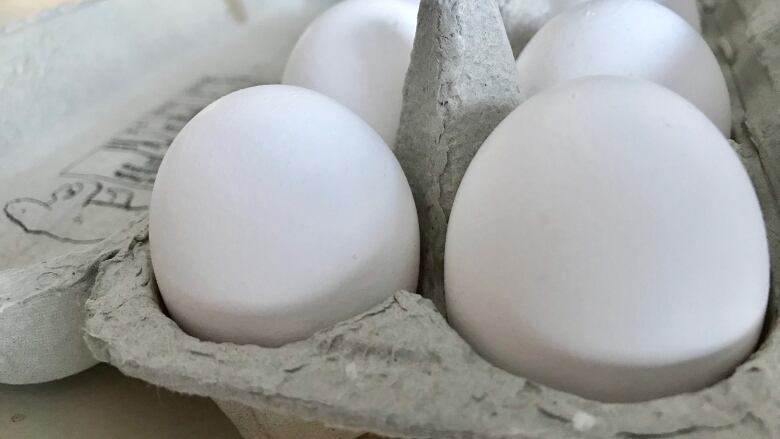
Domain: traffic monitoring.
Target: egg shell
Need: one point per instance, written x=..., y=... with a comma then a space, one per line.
x=686, y=9
x=522, y=19
x=358, y=52
x=277, y=212
x=634, y=38
x=606, y=241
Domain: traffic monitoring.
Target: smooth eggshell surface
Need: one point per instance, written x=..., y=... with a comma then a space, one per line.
x=607, y=241
x=277, y=212
x=634, y=38
x=686, y=9
x=358, y=52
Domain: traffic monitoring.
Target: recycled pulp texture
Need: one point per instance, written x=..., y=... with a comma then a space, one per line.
x=40, y=307
x=523, y=18
x=399, y=369
x=462, y=82
x=377, y=371
x=266, y=424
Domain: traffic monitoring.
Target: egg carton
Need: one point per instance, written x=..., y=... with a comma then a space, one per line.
x=399, y=369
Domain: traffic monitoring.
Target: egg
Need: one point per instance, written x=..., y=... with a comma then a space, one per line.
x=607, y=241
x=358, y=52
x=277, y=212
x=634, y=38
x=686, y=9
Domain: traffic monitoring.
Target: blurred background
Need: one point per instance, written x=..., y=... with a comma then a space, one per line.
x=13, y=10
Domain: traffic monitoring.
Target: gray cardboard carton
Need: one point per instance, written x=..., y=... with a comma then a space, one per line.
x=399, y=369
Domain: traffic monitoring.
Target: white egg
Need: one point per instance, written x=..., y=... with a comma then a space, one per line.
x=686, y=9
x=635, y=38
x=358, y=52
x=277, y=212
x=606, y=241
